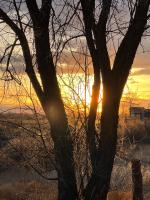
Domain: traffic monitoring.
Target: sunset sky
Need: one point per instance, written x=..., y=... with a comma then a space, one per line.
x=13, y=95
x=137, y=88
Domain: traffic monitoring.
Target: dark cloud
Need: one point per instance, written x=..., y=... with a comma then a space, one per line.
x=16, y=63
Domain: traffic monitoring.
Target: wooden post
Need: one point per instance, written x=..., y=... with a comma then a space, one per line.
x=137, y=180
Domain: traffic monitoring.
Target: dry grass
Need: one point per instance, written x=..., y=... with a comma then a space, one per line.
x=115, y=195
x=39, y=191
x=23, y=141
x=28, y=191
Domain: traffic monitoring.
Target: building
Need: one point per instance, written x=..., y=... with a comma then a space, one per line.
x=139, y=113
x=147, y=113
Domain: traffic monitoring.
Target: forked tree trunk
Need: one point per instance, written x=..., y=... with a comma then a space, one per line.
x=98, y=186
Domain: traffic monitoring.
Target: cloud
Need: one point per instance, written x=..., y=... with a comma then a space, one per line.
x=16, y=63
x=143, y=71
x=142, y=60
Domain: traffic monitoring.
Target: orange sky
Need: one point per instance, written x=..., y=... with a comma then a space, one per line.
x=138, y=86
x=137, y=91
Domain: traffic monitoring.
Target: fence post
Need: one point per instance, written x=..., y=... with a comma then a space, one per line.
x=137, y=180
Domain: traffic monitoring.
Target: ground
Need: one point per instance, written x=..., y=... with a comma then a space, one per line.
x=21, y=151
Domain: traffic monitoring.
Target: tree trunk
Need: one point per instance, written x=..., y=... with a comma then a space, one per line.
x=55, y=112
x=91, y=131
x=98, y=186
x=63, y=149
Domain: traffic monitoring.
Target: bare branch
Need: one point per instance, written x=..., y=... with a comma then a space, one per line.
x=127, y=50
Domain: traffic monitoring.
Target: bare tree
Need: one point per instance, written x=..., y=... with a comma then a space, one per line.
x=97, y=30
x=98, y=23
x=48, y=91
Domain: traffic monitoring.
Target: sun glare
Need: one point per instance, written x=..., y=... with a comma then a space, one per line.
x=76, y=91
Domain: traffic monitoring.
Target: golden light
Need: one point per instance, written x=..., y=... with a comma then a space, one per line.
x=75, y=89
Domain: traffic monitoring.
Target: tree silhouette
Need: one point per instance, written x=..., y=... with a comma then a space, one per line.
x=96, y=18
